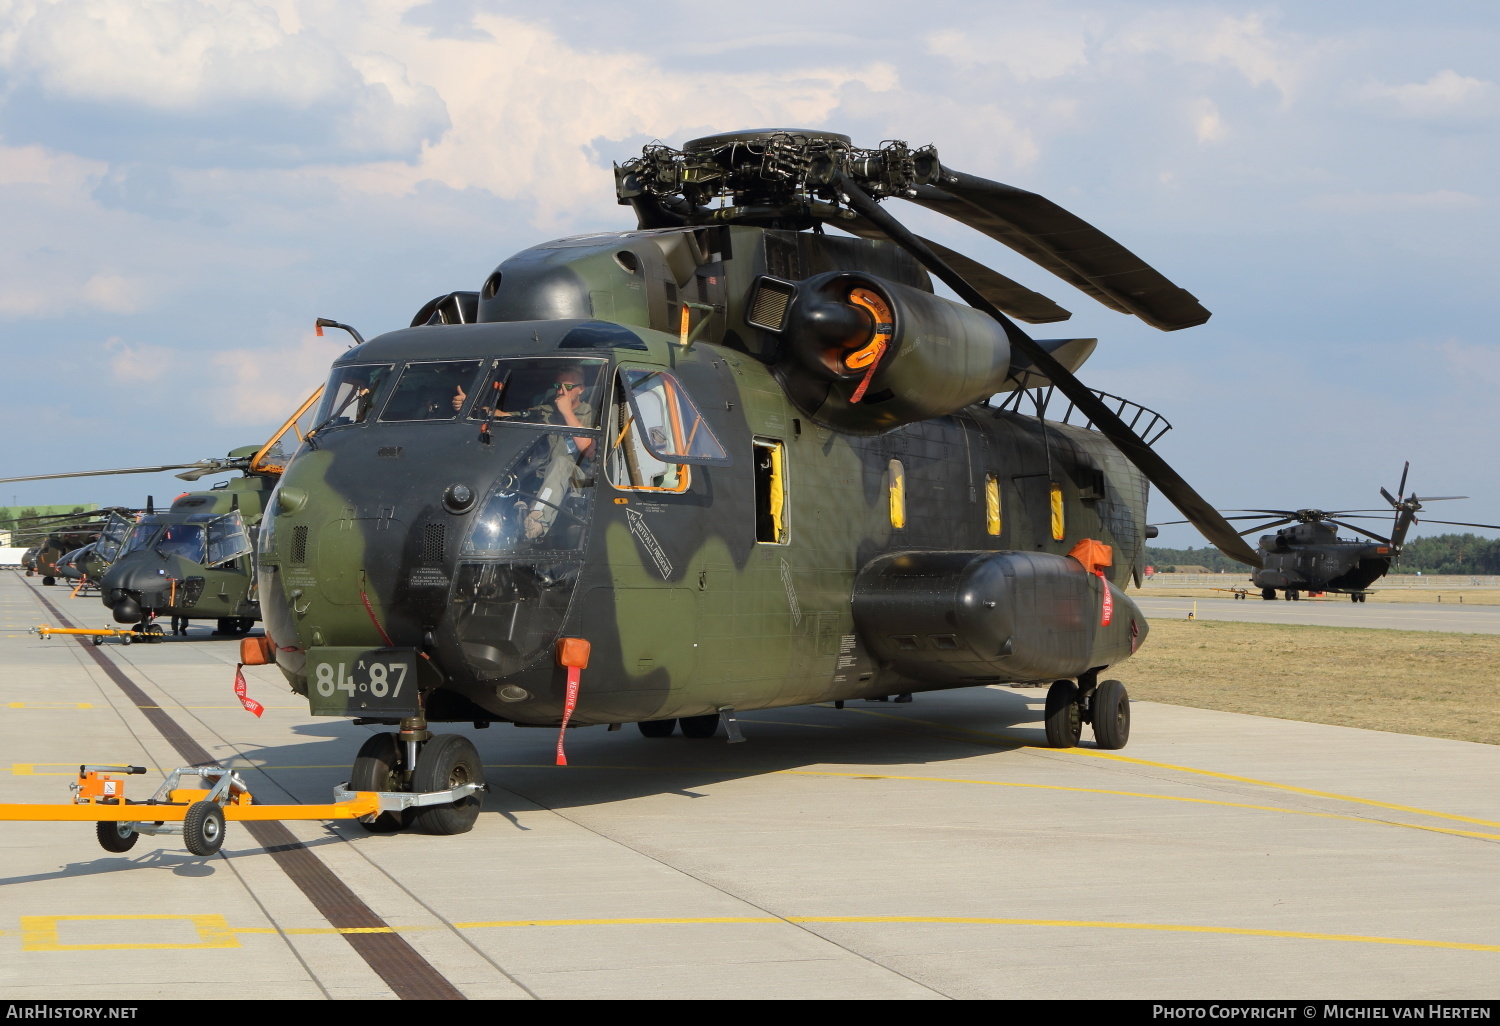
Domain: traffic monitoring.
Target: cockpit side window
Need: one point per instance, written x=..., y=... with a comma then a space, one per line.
x=431, y=391
x=227, y=539
x=350, y=395
x=112, y=537
x=657, y=432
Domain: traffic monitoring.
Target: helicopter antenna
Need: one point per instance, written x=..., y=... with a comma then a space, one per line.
x=150, y=506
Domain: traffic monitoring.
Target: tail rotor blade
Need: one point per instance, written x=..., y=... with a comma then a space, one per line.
x=1401, y=488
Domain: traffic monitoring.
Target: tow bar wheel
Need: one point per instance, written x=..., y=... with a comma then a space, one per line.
x=117, y=837
x=203, y=828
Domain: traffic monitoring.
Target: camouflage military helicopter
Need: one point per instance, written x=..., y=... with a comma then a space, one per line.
x=194, y=560
x=726, y=461
x=55, y=538
x=1309, y=556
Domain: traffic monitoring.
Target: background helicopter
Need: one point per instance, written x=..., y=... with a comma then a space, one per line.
x=1309, y=556
x=51, y=540
x=194, y=560
x=726, y=461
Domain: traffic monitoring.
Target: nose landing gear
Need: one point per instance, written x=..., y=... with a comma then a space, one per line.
x=415, y=760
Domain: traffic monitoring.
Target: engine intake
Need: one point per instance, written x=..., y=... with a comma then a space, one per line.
x=864, y=355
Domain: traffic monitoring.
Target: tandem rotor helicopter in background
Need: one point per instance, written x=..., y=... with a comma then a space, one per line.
x=726, y=461
x=1310, y=557
x=194, y=560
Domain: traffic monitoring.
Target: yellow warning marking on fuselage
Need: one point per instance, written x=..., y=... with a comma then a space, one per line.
x=40, y=933
x=1096, y=754
x=50, y=705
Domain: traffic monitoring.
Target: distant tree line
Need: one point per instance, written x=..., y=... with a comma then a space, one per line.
x=1436, y=554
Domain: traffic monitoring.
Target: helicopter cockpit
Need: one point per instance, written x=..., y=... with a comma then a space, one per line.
x=206, y=538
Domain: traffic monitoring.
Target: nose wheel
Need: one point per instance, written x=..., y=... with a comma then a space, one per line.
x=444, y=761
x=380, y=766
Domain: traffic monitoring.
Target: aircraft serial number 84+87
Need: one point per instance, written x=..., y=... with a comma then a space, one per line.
x=727, y=461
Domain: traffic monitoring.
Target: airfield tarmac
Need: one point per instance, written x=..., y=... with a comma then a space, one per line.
x=1335, y=611
x=926, y=850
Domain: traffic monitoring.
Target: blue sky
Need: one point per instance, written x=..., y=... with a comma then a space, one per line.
x=186, y=185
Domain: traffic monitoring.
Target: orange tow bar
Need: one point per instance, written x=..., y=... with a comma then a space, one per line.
x=199, y=814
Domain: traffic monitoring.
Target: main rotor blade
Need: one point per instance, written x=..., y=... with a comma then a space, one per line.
x=39, y=521
x=1437, y=498
x=208, y=466
x=1460, y=523
x=1064, y=244
x=1261, y=527
x=1361, y=530
x=1010, y=296
x=1156, y=470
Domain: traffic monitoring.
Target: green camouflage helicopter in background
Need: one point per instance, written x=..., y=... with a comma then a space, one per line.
x=194, y=560
x=729, y=460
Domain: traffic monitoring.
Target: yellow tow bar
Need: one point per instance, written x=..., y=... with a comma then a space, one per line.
x=199, y=814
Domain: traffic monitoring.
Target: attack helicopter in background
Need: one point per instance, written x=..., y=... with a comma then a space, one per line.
x=1310, y=557
x=194, y=560
x=739, y=457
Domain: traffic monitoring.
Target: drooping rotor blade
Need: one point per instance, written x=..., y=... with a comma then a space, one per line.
x=1012, y=297
x=1156, y=470
x=1260, y=527
x=1064, y=244
x=1361, y=530
x=1169, y=523
x=208, y=467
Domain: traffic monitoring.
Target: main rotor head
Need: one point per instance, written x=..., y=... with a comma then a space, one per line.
x=777, y=177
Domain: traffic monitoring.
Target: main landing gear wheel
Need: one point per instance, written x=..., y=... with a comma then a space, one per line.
x=657, y=728
x=1063, y=717
x=378, y=767
x=699, y=726
x=116, y=837
x=49, y=581
x=447, y=761
x=152, y=633
x=203, y=828
x=1269, y=594
x=1111, y=715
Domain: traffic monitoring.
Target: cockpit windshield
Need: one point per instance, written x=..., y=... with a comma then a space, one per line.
x=185, y=540
x=350, y=395
x=548, y=390
x=141, y=536
x=431, y=391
